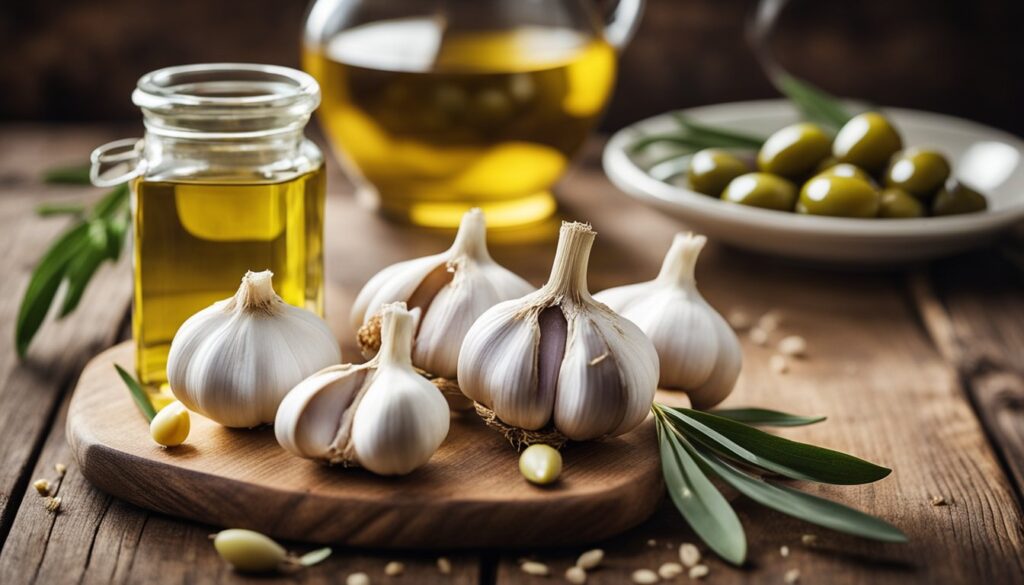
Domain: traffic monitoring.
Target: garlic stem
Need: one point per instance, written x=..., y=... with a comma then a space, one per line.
x=471, y=239
x=396, y=336
x=569, y=270
x=256, y=293
x=681, y=259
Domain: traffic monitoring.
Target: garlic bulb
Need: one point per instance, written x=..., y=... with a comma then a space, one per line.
x=699, y=352
x=451, y=289
x=381, y=415
x=235, y=360
x=557, y=360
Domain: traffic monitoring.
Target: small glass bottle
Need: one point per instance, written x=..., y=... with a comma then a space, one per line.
x=224, y=181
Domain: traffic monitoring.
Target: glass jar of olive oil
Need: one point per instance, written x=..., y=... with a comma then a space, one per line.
x=224, y=181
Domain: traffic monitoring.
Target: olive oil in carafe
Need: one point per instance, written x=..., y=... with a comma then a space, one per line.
x=440, y=121
x=194, y=240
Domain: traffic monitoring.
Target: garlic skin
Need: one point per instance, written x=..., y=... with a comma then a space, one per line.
x=381, y=415
x=451, y=289
x=557, y=357
x=235, y=360
x=698, y=351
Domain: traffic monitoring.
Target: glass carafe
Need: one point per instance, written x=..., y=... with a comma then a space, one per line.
x=436, y=106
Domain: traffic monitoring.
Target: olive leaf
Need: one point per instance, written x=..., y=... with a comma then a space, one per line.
x=51, y=209
x=697, y=499
x=71, y=175
x=794, y=503
x=814, y=104
x=789, y=458
x=138, y=394
x=766, y=417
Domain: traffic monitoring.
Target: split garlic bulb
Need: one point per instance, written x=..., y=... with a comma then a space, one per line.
x=235, y=360
x=381, y=415
x=699, y=352
x=558, y=360
x=451, y=289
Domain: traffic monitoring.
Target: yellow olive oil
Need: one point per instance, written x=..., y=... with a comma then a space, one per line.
x=440, y=121
x=194, y=240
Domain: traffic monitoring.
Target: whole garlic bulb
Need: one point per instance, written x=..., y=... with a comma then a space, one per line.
x=557, y=358
x=235, y=360
x=451, y=289
x=699, y=352
x=381, y=415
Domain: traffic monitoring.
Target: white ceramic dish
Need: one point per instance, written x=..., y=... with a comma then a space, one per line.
x=989, y=160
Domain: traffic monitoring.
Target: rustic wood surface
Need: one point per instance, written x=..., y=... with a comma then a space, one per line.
x=918, y=370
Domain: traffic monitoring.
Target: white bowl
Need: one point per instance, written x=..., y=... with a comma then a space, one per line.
x=989, y=160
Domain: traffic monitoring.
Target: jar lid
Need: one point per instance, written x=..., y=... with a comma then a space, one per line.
x=229, y=99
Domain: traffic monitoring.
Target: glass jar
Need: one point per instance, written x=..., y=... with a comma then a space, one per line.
x=223, y=182
x=436, y=107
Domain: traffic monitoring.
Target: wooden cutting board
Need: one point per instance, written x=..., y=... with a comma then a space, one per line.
x=469, y=495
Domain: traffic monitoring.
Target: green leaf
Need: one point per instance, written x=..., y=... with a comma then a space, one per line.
x=72, y=175
x=715, y=133
x=45, y=281
x=703, y=507
x=789, y=458
x=313, y=557
x=81, y=268
x=112, y=202
x=138, y=394
x=815, y=105
x=800, y=505
x=51, y=209
x=763, y=416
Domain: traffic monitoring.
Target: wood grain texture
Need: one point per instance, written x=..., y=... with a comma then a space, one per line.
x=31, y=390
x=470, y=494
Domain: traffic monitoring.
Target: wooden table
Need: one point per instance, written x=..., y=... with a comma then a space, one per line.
x=919, y=370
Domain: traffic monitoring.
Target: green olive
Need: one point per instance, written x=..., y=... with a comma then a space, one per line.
x=761, y=190
x=540, y=464
x=958, y=199
x=917, y=171
x=897, y=203
x=868, y=140
x=838, y=196
x=847, y=170
x=795, y=151
x=711, y=170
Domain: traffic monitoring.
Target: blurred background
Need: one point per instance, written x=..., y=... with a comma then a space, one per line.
x=78, y=60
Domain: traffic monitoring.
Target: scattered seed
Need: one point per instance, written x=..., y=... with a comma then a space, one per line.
x=770, y=321
x=809, y=539
x=61, y=469
x=357, y=579
x=758, y=336
x=53, y=504
x=590, y=559
x=699, y=571
x=784, y=551
x=42, y=486
x=444, y=565
x=394, y=569
x=652, y=542
x=793, y=345
x=576, y=575
x=740, y=319
x=670, y=570
x=689, y=554
x=599, y=359
x=534, y=568
x=778, y=364
x=792, y=576
x=935, y=501
x=644, y=577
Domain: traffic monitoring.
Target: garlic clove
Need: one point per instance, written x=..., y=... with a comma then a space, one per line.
x=590, y=389
x=398, y=281
x=307, y=422
x=675, y=320
x=723, y=378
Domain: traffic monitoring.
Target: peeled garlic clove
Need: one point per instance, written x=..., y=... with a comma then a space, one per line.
x=234, y=361
x=171, y=425
x=451, y=289
x=698, y=351
x=556, y=359
x=381, y=415
x=249, y=551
